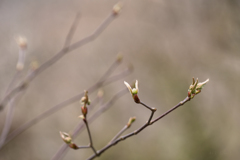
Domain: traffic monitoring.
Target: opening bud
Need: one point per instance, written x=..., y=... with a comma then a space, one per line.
x=196, y=87
x=130, y=121
x=66, y=137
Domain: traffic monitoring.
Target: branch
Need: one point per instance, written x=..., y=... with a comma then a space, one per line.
x=138, y=130
x=8, y=122
x=90, y=137
x=62, y=150
x=128, y=125
x=71, y=31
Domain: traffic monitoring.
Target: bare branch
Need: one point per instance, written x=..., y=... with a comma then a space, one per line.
x=139, y=129
x=57, y=56
x=71, y=31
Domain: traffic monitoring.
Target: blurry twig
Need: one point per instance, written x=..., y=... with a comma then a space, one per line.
x=57, y=56
x=71, y=31
x=8, y=122
x=22, y=45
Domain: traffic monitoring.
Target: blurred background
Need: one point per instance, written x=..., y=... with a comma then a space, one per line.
x=166, y=41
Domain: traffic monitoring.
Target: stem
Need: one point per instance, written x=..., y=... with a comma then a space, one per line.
x=83, y=147
x=90, y=137
x=16, y=75
x=169, y=111
x=71, y=31
x=119, y=134
x=152, y=109
x=8, y=122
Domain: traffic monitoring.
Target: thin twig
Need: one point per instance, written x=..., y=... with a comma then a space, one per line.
x=15, y=77
x=57, y=56
x=119, y=134
x=8, y=122
x=138, y=130
x=71, y=31
x=151, y=109
x=90, y=137
x=175, y=107
x=62, y=150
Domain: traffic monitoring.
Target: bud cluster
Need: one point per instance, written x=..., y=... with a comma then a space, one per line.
x=84, y=102
x=195, y=88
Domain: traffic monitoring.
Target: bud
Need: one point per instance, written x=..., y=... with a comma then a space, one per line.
x=34, y=65
x=81, y=116
x=19, y=66
x=66, y=137
x=83, y=99
x=73, y=146
x=84, y=110
x=119, y=58
x=100, y=93
x=136, y=99
x=22, y=42
x=195, y=88
x=133, y=91
x=200, y=86
x=130, y=121
x=117, y=8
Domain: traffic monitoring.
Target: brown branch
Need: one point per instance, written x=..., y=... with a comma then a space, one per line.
x=138, y=130
x=175, y=107
x=90, y=137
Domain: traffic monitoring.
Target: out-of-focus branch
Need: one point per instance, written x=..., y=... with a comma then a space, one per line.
x=8, y=122
x=71, y=31
x=22, y=45
x=59, y=55
x=57, y=107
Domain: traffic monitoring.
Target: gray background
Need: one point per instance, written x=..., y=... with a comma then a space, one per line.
x=167, y=41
